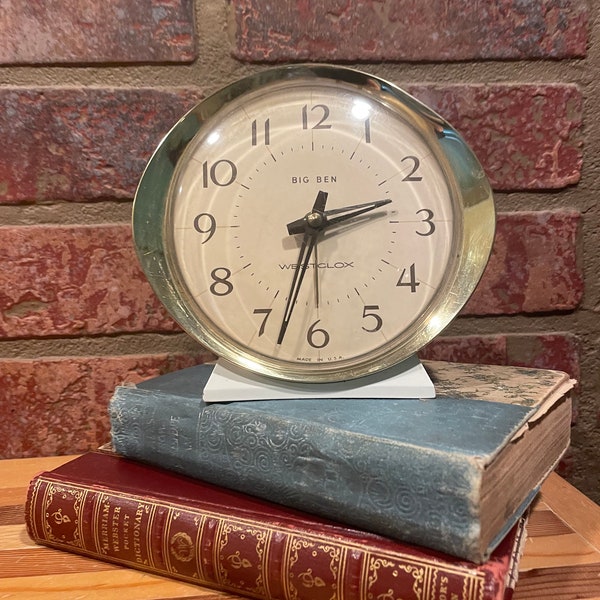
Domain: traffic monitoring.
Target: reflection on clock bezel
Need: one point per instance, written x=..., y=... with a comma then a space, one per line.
x=473, y=210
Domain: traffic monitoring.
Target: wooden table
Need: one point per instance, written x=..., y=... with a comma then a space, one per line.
x=561, y=560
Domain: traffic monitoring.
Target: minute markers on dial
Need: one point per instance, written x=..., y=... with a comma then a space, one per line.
x=311, y=326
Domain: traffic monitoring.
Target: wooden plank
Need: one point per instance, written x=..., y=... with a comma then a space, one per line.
x=29, y=562
x=552, y=542
x=561, y=559
x=14, y=537
x=129, y=583
x=12, y=514
x=563, y=583
x=18, y=472
x=570, y=505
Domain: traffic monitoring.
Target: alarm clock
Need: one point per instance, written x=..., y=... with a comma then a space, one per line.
x=313, y=223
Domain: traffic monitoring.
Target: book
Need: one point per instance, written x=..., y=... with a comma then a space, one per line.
x=452, y=473
x=118, y=510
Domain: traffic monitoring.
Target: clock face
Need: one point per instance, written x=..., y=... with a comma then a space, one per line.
x=316, y=224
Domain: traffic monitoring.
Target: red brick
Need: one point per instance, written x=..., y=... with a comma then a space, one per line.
x=526, y=137
x=59, y=405
x=472, y=349
x=87, y=31
x=86, y=280
x=533, y=267
x=556, y=350
x=405, y=30
x=76, y=280
x=91, y=143
x=559, y=351
x=566, y=465
x=82, y=144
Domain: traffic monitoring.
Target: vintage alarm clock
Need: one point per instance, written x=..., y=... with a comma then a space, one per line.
x=313, y=223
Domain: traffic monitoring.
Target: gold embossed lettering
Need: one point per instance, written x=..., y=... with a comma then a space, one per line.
x=104, y=517
x=115, y=537
x=125, y=539
x=137, y=533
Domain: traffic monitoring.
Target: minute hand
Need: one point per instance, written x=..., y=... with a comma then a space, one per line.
x=343, y=214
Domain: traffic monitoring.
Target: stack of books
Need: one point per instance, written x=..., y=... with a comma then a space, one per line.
x=310, y=499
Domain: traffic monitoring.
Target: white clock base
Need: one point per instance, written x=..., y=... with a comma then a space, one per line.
x=229, y=383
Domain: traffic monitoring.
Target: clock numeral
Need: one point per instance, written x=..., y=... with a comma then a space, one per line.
x=324, y=109
x=262, y=311
x=221, y=285
x=267, y=132
x=416, y=163
x=222, y=173
x=205, y=223
x=412, y=282
x=316, y=336
x=368, y=311
x=429, y=220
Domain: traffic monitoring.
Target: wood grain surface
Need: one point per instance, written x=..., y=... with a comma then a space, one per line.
x=562, y=553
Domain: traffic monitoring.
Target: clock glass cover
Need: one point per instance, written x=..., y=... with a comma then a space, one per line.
x=313, y=223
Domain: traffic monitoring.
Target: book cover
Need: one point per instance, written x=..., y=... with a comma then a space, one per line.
x=123, y=511
x=452, y=473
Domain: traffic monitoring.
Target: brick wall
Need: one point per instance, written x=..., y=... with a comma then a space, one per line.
x=89, y=88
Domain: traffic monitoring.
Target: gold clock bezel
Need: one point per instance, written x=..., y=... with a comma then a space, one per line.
x=473, y=209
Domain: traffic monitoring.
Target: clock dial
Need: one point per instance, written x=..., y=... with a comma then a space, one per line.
x=313, y=227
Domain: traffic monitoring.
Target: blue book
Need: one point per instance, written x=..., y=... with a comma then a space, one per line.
x=453, y=473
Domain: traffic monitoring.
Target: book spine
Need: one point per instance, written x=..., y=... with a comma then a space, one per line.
x=235, y=553
x=421, y=497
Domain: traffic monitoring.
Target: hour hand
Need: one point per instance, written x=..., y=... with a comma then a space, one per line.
x=336, y=215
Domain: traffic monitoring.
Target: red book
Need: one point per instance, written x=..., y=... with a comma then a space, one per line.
x=122, y=511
